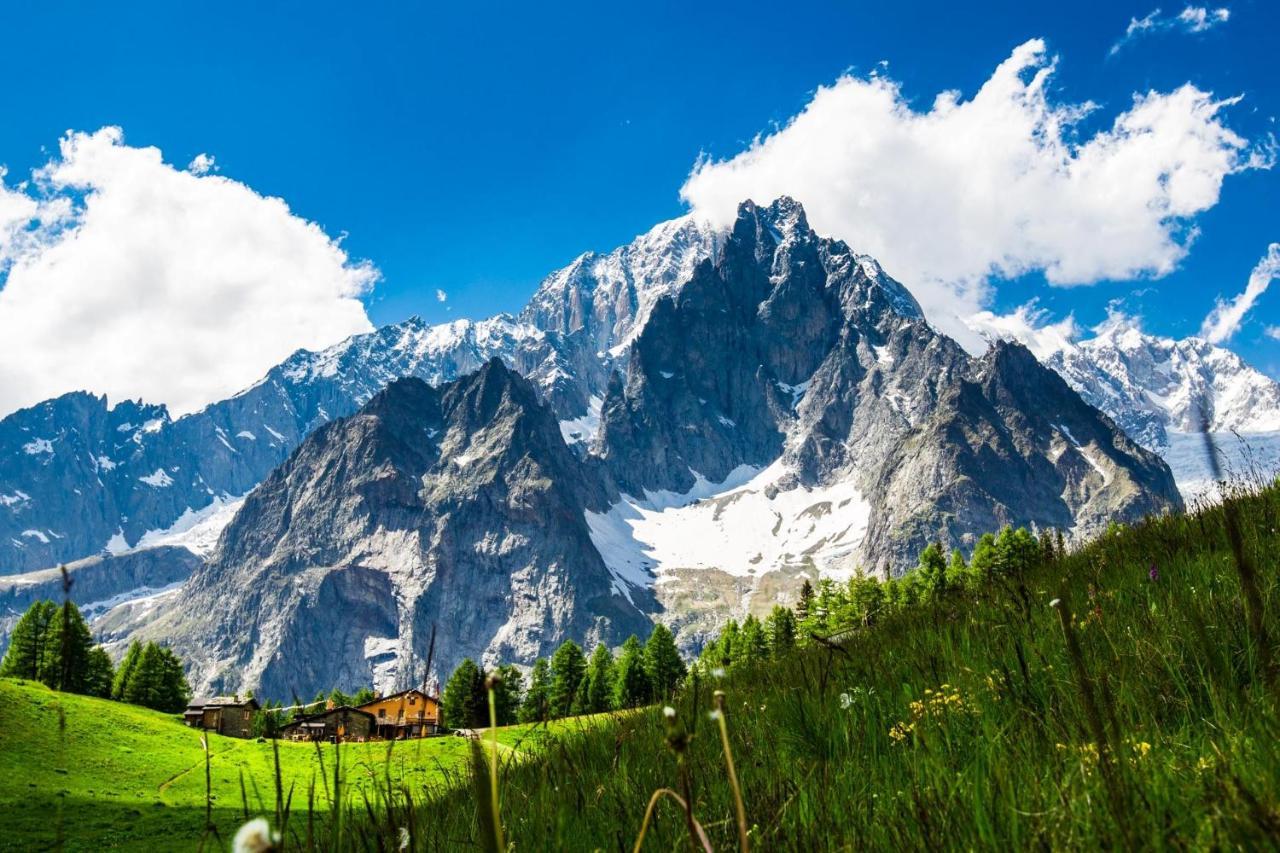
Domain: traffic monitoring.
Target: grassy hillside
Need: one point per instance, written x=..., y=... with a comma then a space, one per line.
x=1134, y=713
x=1114, y=698
x=110, y=775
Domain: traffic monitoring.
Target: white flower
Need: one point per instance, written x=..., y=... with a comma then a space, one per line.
x=255, y=836
x=1055, y=602
x=714, y=715
x=404, y=838
x=669, y=712
x=845, y=700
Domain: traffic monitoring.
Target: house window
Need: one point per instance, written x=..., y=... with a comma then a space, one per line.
x=246, y=715
x=382, y=713
x=413, y=700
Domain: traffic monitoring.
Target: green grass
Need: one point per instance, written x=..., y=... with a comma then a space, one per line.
x=968, y=724
x=121, y=776
x=964, y=725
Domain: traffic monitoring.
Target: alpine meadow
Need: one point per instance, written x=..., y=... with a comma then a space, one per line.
x=912, y=484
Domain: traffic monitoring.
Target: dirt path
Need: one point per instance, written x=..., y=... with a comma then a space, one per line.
x=165, y=785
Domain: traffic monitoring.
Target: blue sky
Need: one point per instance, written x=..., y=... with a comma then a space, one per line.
x=475, y=148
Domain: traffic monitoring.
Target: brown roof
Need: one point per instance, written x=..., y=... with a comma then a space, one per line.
x=222, y=702
x=302, y=721
x=421, y=693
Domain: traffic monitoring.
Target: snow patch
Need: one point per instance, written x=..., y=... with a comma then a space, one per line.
x=18, y=497
x=36, y=534
x=741, y=526
x=105, y=464
x=40, y=445
x=584, y=427
x=159, y=479
x=195, y=530
x=117, y=544
x=245, y=434
x=139, y=595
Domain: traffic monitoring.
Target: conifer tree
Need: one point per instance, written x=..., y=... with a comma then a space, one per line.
x=805, y=604
x=66, y=650
x=754, y=646
x=726, y=645
x=507, y=693
x=933, y=571
x=568, y=666
x=957, y=570
x=466, y=701
x=631, y=687
x=536, y=707
x=601, y=670
x=662, y=662
x=983, y=563
x=780, y=629
x=128, y=666
x=100, y=674
x=28, y=642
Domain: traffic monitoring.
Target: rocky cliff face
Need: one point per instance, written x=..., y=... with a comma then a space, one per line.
x=679, y=429
x=793, y=354
x=78, y=477
x=458, y=506
x=98, y=584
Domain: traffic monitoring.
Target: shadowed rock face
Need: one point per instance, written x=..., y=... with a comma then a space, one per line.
x=456, y=502
x=77, y=476
x=791, y=346
x=97, y=583
x=458, y=506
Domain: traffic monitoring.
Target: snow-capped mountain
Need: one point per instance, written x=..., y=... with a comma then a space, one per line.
x=784, y=411
x=79, y=477
x=735, y=409
x=1152, y=386
x=609, y=297
x=1158, y=390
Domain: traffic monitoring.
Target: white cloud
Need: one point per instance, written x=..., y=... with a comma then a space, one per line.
x=996, y=185
x=1192, y=19
x=1272, y=332
x=441, y=296
x=203, y=164
x=1030, y=325
x=128, y=277
x=1226, y=317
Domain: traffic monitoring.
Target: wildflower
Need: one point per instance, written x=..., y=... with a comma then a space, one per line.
x=714, y=714
x=669, y=712
x=404, y=838
x=255, y=836
x=1055, y=602
x=845, y=701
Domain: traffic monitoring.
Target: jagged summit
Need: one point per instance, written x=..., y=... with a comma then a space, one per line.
x=1153, y=385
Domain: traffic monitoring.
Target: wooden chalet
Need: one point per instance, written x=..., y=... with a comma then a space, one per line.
x=226, y=715
x=332, y=724
x=407, y=714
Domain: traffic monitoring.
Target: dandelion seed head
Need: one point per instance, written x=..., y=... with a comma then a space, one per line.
x=669, y=712
x=255, y=836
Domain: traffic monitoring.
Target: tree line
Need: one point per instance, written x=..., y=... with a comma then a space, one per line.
x=570, y=683
x=52, y=644
x=830, y=607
